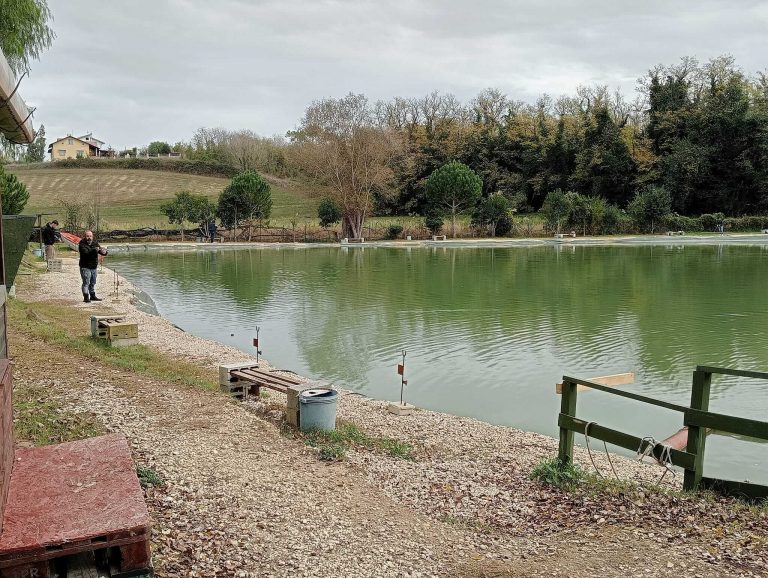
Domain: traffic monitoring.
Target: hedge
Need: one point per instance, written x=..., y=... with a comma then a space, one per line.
x=203, y=168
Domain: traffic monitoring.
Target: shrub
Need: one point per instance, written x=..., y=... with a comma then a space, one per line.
x=675, y=222
x=328, y=212
x=709, y=222
x=649, y=207
x=247, y=197
x=490, y=211
x=394, y=231
x=14, y=193
x=753, y=223
x=504, y=225
x=434, y=223
x=614, y=221
x=556, y=209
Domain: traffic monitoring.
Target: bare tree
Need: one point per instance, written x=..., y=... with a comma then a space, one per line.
x=339, y=142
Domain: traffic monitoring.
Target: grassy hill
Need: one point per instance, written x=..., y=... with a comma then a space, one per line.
x=131, y=198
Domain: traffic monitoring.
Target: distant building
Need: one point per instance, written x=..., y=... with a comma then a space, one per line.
x=70, y=147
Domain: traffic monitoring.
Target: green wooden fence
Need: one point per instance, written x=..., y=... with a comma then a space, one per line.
x=697, y=417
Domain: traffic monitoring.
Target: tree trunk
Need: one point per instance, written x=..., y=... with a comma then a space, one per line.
x=453, y=223
x=182, y=231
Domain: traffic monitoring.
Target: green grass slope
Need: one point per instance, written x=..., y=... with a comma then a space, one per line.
x=130, y=198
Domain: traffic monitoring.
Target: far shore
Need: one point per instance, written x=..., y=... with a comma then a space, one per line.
x=700, y=239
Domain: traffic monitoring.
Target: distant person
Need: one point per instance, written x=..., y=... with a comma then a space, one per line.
x=89, y=260
x=721, y=228
x=51, y=235
x=212, y=230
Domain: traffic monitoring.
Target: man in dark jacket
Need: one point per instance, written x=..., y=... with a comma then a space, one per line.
x=89, y=260
x=51, y=235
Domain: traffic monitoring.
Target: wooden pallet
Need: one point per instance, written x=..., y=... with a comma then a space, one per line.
x=74, y=498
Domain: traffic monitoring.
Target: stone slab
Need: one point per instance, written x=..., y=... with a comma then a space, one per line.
x=401, y=409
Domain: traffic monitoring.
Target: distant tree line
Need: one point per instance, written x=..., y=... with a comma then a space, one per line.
x=693, y=141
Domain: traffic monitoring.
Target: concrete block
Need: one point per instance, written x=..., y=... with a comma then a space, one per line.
x=225, y=378
x=401, y=409
x=55, y=265
x=124, y=342
x=119, y=317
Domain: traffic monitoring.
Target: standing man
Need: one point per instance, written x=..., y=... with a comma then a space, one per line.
x=51, y=235
x=89, y=260
x=212, y=230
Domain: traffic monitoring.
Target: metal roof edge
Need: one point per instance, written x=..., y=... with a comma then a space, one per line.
x=15, y=120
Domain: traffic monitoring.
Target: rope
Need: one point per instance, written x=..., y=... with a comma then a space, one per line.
x=664, y=459
x=589, y=451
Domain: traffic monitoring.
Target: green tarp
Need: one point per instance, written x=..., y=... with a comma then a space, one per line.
x=16, y=232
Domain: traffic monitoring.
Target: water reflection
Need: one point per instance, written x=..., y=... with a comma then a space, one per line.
x=488, y=330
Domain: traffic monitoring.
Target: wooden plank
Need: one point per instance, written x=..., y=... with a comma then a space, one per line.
x=615, y=379
x=735, y=489
x=727, y=423
x=621, y=439
x=260, y=380
x=734, y=372
x=627, y=394
x=258, y=374
x=697, y=436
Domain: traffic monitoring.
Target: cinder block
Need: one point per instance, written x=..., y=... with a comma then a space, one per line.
x=118, y=317
x=55, y=265
x=225, y=379
x=401, y=409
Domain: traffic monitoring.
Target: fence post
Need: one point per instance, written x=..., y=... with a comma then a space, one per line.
x=568, y=407
x=697, y=436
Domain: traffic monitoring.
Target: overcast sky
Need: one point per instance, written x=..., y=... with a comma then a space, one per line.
x=132, y=72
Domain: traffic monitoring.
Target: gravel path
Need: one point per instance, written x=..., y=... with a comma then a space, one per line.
x=242, y=500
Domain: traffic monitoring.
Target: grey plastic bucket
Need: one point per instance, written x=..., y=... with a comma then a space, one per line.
x=317, y=409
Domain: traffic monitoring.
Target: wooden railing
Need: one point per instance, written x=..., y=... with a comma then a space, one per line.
x=696, y=416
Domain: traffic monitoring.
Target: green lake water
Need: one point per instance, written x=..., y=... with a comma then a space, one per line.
x=489, y=331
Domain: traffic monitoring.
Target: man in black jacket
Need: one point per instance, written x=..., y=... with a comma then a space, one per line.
x=51, y=235
x=89, y=260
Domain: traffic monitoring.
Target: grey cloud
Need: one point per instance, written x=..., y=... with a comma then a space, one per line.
x=134, y=72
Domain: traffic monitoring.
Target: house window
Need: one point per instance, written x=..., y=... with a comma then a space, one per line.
x=62, y=153
x=80, y=154
x=69, y=141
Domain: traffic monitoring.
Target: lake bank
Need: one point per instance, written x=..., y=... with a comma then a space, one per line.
x=464, y=506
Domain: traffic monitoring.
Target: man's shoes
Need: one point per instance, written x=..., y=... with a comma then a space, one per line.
x=94, y=298
x=86, y=298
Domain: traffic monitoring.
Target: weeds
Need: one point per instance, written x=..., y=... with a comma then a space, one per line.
x=148, y=477
x=559, y=474
x=334, y=444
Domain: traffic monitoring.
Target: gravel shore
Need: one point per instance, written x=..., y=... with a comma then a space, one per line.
x=243, y=500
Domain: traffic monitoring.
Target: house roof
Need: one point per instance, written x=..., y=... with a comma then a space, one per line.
x=15, y=120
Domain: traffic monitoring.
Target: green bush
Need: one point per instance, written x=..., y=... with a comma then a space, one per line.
x=615, y=221
x=745, y=224
x=328, y=212
x=709, y=222
x=674, y=222
x=434, y=223
x=14, y=193
x=394, y=231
